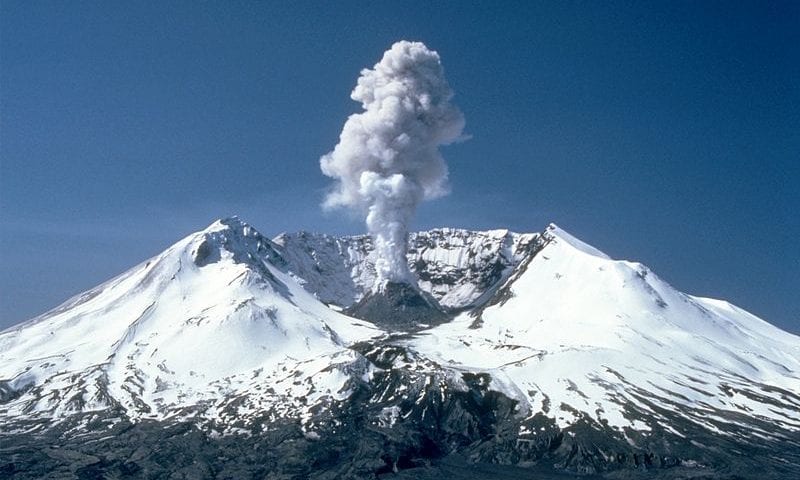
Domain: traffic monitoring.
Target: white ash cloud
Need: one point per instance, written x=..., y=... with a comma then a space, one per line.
x=387, y=160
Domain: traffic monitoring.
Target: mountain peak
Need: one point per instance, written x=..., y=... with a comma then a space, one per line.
x=230, y=236
x=233, y=223
x=553, y=231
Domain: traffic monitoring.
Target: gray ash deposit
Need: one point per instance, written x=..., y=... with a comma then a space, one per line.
x=399, y=307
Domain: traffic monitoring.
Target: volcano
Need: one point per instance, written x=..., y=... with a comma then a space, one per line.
x=234, y=355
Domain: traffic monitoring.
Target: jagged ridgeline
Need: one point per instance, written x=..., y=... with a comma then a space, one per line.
x=231, y=355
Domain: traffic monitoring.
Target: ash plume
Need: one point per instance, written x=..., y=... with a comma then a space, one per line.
x=387, y=160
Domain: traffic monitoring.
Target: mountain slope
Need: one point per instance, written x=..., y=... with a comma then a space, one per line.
x=206, y=317
x=579, y=336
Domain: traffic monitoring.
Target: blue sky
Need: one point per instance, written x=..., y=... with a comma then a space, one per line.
x=666, y=133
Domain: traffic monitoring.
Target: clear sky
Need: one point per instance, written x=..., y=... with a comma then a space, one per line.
x=666, y=133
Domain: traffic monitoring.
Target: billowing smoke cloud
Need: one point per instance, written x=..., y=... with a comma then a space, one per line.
x=387, y=160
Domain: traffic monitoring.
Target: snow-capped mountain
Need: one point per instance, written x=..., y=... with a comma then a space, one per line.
x=206, y=318
x=588, y=337
x=551, y=357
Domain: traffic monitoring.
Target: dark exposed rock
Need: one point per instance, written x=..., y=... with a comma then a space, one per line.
x=399, y=307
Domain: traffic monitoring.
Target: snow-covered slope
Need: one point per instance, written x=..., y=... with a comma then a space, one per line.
x=211, y=315
x=577, y=335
